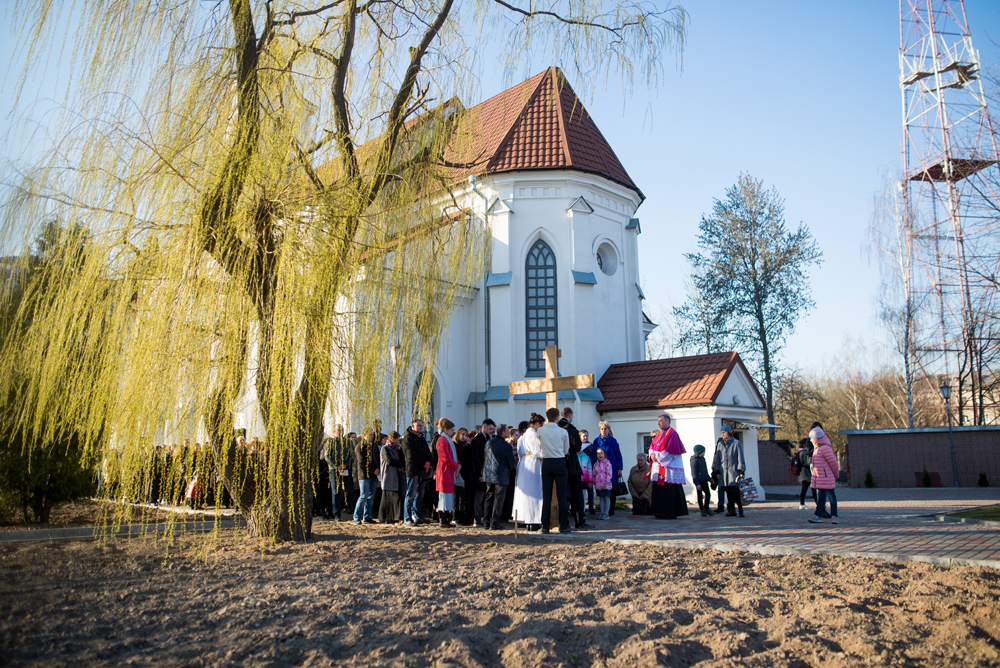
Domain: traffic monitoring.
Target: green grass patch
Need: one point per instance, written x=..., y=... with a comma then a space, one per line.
x=991, y=513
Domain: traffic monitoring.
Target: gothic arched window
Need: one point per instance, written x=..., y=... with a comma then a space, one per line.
x=541, y=302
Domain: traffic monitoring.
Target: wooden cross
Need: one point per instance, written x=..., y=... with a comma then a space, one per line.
x=551, y=384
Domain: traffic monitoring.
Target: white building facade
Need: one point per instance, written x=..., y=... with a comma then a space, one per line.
x=561, y=210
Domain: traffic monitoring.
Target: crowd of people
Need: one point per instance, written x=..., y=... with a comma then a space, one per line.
x=495, y=474
x=485, y=477
x=182, y=473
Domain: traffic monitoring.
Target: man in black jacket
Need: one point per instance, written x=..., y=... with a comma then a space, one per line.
x=478, y=456
x=418, y=461
x=499, y=463
x=575, y=471
x=340, y=458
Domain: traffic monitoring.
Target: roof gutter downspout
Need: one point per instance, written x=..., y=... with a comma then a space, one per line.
x=486, y=285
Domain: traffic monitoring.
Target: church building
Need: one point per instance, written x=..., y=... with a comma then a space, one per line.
x=564, y=271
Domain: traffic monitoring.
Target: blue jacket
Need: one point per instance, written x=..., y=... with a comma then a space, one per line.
x=614, y=453
x=699, y=470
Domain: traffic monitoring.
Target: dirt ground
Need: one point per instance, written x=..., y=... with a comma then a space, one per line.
x=389, y=596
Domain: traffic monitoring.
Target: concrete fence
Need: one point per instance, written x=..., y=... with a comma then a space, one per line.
x=898, y=457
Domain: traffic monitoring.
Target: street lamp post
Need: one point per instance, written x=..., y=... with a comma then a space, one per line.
x=946, y=393
x=394, y=353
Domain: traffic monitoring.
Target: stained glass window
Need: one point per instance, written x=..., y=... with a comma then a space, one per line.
x=541, y=312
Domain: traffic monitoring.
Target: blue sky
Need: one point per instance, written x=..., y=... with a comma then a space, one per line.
x=803, y=95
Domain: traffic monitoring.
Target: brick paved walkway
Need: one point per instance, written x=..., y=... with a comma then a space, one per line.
x=891, y=524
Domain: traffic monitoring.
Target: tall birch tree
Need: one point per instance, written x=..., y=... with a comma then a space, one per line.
x=753, y=271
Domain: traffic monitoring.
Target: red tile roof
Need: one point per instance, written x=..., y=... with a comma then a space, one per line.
x=680, y=381
x=540, y=124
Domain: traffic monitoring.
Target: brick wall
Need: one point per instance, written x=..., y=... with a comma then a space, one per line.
x=773, y=460
x=894, y=458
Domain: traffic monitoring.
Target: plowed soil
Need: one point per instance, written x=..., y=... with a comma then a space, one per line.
x=388, y=596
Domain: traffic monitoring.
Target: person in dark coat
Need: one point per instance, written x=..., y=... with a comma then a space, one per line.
x=430, y=493
x=417, y=455
x=700, y=479
x=716, y=476
x=730, y=464
x=498, y=463
x=575, y=472
x=465, y=495
x=340, y=459
x=803, y=463
x=390, y=511
x=323, y=501
x=479, y=441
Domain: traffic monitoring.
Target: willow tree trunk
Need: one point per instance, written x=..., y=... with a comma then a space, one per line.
x=274, y=491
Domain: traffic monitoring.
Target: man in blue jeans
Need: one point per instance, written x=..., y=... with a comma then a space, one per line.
x=417, y=455
x=366, y=458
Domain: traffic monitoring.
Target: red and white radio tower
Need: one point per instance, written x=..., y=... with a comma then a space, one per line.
x=950, y=192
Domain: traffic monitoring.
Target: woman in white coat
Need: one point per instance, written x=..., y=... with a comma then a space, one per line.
x=528, y=489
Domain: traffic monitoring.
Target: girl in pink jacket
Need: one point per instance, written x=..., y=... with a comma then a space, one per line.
x=825, y=471
x=603, y=482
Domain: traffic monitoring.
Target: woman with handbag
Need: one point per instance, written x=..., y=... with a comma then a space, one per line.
x=606, y=441
x=731, y=465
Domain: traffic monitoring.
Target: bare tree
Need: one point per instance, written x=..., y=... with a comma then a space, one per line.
x=663, y=341
x=799, y=402
x=897, y=303
x=701, y=319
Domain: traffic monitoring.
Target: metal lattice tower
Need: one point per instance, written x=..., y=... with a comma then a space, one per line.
x=950, y=192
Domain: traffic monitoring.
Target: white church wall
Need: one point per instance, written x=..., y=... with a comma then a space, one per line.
x=540, y=204
x=525, y=207
x=455, y=370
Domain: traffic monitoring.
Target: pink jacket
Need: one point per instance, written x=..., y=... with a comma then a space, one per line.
x=602, y=474
x=446, y=467
x=825, y=467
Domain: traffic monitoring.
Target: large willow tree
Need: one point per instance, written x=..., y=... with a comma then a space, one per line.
x=268, y=194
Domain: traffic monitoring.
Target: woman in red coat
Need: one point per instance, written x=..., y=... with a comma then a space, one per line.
x=447, y=472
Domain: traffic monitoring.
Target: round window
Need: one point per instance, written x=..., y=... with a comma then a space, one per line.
x=607, y=259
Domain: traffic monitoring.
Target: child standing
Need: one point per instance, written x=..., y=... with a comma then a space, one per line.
x=195, y=491
x=588, y=468
x=700, y=478
x=603, y=482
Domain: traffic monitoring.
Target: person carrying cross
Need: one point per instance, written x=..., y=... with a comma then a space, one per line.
x=555, y=447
